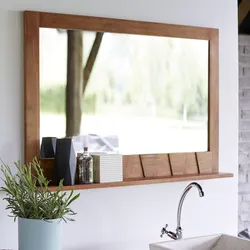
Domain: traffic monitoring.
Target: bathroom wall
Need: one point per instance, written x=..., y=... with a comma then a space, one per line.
x=244, y=132
x=129, y=218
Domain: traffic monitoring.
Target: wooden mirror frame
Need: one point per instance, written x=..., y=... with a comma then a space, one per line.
x=206, y=161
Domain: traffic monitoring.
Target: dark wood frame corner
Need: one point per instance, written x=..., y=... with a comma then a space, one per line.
x=34, y=20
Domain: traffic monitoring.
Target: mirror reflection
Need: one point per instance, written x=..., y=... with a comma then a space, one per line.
x=134, y=94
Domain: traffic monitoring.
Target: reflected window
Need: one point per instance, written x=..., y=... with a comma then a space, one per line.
x=144, y=94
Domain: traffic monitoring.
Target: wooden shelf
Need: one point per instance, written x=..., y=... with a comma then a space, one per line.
x=146, y=181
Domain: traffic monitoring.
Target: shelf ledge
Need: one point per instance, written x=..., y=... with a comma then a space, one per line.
x=147, y=181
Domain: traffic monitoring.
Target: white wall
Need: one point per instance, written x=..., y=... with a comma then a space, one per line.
x=129, y=218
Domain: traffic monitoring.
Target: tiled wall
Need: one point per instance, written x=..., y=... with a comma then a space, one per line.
x=244, y=132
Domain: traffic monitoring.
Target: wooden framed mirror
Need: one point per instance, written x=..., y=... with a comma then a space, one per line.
x=149, y=41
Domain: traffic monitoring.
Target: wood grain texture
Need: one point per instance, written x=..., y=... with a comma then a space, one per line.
x=63, y=21
x=132, y=167
x=177, y=161
x=204, y=160
x=183, y=163
x=146, y=181
x=31, y=86
x=156, y=165
x=213, y=97
x=191, y=164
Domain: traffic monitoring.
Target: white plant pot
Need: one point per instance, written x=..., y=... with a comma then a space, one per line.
x=39, y=235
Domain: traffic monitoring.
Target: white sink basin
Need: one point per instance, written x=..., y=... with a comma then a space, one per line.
x=211, y=242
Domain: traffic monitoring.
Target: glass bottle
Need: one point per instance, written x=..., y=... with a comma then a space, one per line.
x=85, y=168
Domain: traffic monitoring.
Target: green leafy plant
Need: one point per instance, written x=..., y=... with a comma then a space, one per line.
x=28, y=194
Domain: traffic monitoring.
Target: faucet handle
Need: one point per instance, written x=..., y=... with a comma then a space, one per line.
x=164, y=230
x=170, y=234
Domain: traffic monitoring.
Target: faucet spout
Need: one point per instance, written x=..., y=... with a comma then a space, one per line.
x=178, y=234
x=187, y=189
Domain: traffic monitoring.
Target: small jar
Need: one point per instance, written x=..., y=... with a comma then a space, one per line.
x=85, y=168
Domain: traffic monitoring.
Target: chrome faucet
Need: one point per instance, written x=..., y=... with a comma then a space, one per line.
x=178, y=234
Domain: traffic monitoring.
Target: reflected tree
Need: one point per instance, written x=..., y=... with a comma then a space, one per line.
x=78, y=78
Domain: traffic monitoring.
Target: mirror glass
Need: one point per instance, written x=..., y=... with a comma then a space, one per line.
x=135, y=94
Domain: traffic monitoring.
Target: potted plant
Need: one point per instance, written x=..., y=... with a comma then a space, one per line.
x=39, y=211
